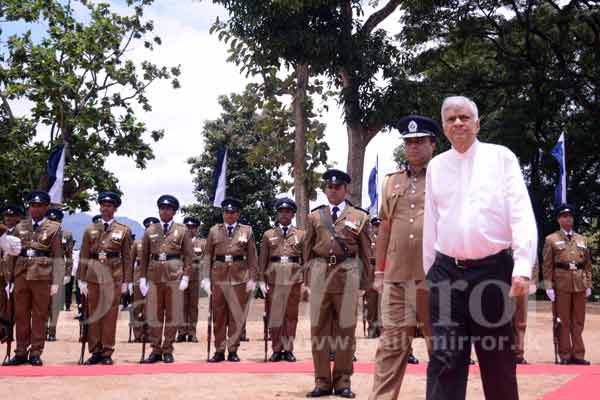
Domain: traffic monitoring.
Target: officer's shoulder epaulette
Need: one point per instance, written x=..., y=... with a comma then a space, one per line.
x=319, y=207
x=121, y=224
x=402, y=170
x=362, y=209
x=54, y=224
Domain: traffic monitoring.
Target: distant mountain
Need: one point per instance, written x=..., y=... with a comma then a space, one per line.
x=77, y=223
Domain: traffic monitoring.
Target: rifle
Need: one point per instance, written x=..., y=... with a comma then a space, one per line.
x=209, y=328
x=364, y=313
x=555, y=331
x=83, y=327
x=9, y=324
x=145, y=334
x=266, y=326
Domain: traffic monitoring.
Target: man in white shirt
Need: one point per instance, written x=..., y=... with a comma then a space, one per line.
x=479, y=246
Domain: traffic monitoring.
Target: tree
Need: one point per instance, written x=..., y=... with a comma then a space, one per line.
x=258, y=135
x=83, y=90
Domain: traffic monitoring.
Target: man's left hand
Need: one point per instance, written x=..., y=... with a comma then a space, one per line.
x=53, y=290
x=519, y=287
x=588, y=292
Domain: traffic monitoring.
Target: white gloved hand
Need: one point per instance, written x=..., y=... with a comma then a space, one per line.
x=250, y=285
x=588, y=292
x=184, y=283
x=205, y=285
x=123, y=287
x=144, y=287
x=532, y=289
x=83, y=288
x=66, y=280
x=53, y=290
x=551, y=295
x=262, y=286
x=9, y=289
x=10, y=244
x=130, y=288
x=378, y=281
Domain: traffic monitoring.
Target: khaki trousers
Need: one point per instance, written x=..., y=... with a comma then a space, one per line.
x=103, y=310
x=570, y=308
x=283, y=303
x=164, y=312
x=137, y=313
x=230, y=309
x=519, y=325
x=191, y=296
x=31, y=315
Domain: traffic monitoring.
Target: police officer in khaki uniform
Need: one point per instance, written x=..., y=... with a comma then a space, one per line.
x=568, y=282
x=36, y=274
x=372, y=298
x=399, y=271
x=104, y=273
x=336, y=250
x=138, y=301
x=191, y=296
x=10, y=216
x=167, y=256
x=281, y=276
x=54, y=214
x=230, y=273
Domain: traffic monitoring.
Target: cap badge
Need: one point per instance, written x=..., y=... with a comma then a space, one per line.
x=412, y=126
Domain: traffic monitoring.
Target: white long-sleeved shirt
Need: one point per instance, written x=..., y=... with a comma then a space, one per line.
x=477, y=204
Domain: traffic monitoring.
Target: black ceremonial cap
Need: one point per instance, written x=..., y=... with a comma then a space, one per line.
x=231, y=204
x=149, y=221
x=565, y=208
x=109, y=197
x=191, y=221
x=38, y=197
x=414, y=126
x=336, y=177
x=285, y=202
x=168, y=200
x=55, y=214
x=11, y=210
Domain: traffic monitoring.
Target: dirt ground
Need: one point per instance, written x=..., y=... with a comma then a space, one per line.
x=65, y=351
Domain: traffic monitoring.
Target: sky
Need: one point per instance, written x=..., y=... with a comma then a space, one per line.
x=183, y=27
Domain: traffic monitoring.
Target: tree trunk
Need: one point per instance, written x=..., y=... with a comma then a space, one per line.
x=357, y=144
x=300, y=186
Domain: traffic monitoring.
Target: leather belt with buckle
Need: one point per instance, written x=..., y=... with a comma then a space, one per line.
x=34, y=253
x=335, y=260
x=103, y=255
x=467, y=264
x=570, y=266
x=285, y=259
x=229, y=258
x=165, y=257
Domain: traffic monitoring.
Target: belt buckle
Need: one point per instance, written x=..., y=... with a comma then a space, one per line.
x=102, y=256
x=572, y=266
x=458, y=264
x=332, y=259
x=228, y=258
x=285, y=259
x=30, y=253
x=162, y=257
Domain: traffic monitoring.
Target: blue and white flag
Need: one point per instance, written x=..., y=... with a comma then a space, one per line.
x=374, y=206
x=56, y=174
x=219, y=178
x=560, y=195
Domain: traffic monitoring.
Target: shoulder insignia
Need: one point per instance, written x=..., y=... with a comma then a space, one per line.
x=319, y=207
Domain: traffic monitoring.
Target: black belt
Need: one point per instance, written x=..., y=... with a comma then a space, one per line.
x=291, y=259
x=112, y=254
x=335, y=260
x=466, y=264
x=166, y=257
x=228, y=258
x=34, y=253
x=567, y=266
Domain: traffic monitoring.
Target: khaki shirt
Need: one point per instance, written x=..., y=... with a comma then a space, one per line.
x=176, y=242
x=93, y=266
x=351, y=225
x=199, y=246
x=402, y=207
x=242, y=243
x=136, y=259
x=47, y=238
x=68, y=243
x=558, y=249
x=274, y=244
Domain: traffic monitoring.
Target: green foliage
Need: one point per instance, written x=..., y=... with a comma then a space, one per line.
x=83, y=91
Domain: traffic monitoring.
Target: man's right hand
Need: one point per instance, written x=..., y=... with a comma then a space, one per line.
x=144, y=287
x=83, y=287
x=9, y=289
x=551, y=295
x=378, y=281
x=205, y=284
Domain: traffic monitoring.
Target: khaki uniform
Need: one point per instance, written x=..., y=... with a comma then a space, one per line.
x=568, y=270
x=280, y=266
x=4, y=311
x=40, y=265
x=519, y=321
x=228, y=280
x=166, y=258
x=191, y=295
x=334, y=284
x=372, y=298
x=58, y=300
x=405, y=296
x=136, y=317
x=104, y=263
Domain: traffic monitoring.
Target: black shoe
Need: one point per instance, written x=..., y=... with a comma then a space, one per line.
x=96, y=358
x=153, y=358
x=317, y=392
x=219, y=356
x=107, y=360
x=412, y=359
x=521, y=360
x=180, y=338
x=564, y=361
x=233, y=357
x=579, y=361
x=346, y=393
x=332, y=356
x=276, y=356
x=373, y=333
x=244, y=338
x=471, y=361
x=354, y=359
x=137, y=340
x=67, y=307
x=192, y=339
x=36, y=361
x=16, y=360
x=289, y=356
x=51, y=338
x=168, y=358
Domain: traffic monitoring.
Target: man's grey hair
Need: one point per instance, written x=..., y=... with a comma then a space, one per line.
x=459, y=101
